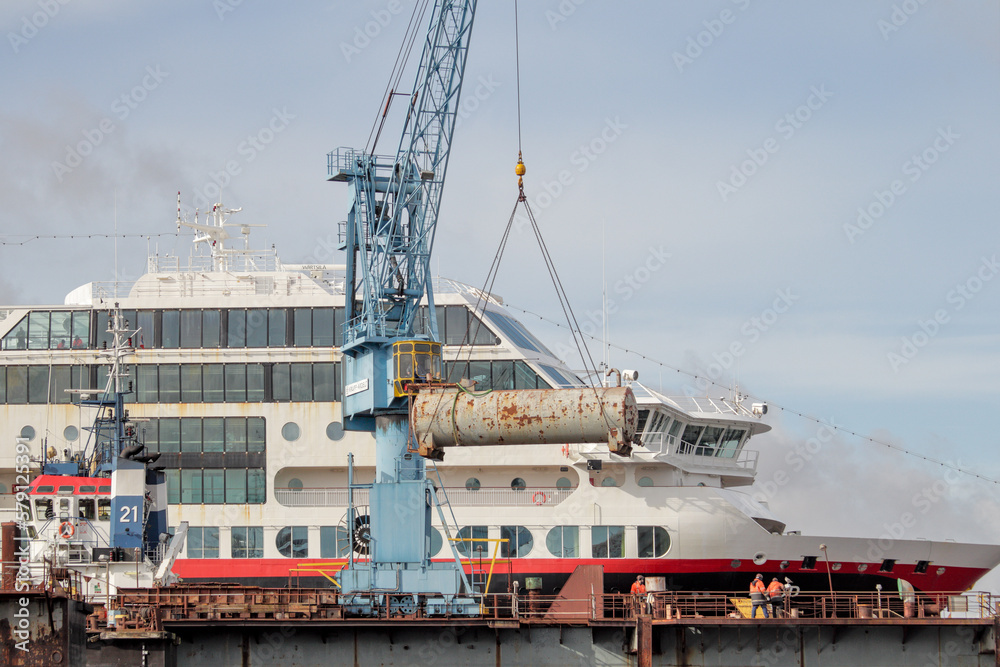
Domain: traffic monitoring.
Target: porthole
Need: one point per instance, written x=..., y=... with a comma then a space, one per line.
x=940, y=571
x=335, y=431
x=436, y=541
x=759, y=558
x=784, y=565
x=518, y=484
x=28, y=433
x=735, y=563
x=862, y=567
x=295, y=484
x=645, y=481
x=609, y=481
x=71, y=433
x=564, y=484
x=835, y=566
x=290, y=431
x=472, y=484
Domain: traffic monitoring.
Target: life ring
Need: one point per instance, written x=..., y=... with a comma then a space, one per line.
x=538, y=497
x=66, y=530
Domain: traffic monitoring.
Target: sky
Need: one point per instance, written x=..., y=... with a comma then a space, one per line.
x=795, y=198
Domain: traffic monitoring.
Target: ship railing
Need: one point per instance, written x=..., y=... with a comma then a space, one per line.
x=745, y=459
x=457, y=496
x=710, y=405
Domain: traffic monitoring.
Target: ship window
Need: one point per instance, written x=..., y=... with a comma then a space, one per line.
x=561, y=378
x=191, y=486
x=3, y=385
x=473, y=540
x=255, y=434
x=276, y=327
x=653, y=541
x=38, y=330
x=66, y=488
x=293, y=541
x=103, y=509
x=921, y=567
x=609, y=481
x=456, y=325
x=809, y=563
x=675, y=428
x=236, y=435
x=59, y=332
x=236, y=486
x=211, y=328
x=515, y=332
x=173, y=477
x=17, y=337
x=564, y=541
x=104, y=489
x=645, y=481
x=28, y=433
x=302, y=331
x=86, y=508
x=236, y=383
x=190, y=328
x=191, y=435
x=436, y=542
x=203, y=542
x=290, y=431
x=607, y=541
x=213, y=434
x=247, y=541
x=887, y=565
x=323, y=330
x=256, y=489
x=71, y=433
x=643, y=416
x=170, y=328
x=38, y=384
x=301, y=376
x=169, y=435
x=518, y=544
x=563, y=483
x=170, y=383
x=730, y=442
x=81, y=328
x=517, y=484
x=690, y=437
x=255, y=383
x=709, y=439
x=213, y=484
x=334, y=542
x=43, y=508
x=88, y=488
x=17, y=384
x=281, y=382
x=237, y=328
x=325, y=382
x=335, y=431
x=479, y=372
x=146, y=383
x=256, y=327
x=190, y=383
x=472, y=484
x=144, y=320
x=526, y=378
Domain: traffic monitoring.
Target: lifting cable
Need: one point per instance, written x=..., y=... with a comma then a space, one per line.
x=561, y=294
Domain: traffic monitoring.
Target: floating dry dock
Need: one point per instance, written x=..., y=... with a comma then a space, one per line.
x=248, y=626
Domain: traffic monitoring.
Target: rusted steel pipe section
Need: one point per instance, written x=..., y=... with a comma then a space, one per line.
x=452, y=417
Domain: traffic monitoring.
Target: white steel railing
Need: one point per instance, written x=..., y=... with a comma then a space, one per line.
x=457, y=496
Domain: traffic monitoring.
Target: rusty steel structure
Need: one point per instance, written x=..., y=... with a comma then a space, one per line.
x=453, y=416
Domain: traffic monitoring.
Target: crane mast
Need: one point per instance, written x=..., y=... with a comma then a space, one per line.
x=392, y=218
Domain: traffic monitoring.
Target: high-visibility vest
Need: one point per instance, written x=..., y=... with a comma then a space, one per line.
x=774, y=588
x=757, y=586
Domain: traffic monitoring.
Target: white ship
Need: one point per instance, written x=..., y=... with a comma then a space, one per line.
x=235, y=380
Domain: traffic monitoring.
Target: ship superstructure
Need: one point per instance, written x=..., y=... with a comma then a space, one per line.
x=235, y=367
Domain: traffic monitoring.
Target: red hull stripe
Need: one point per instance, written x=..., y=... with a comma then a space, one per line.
x=953, y=578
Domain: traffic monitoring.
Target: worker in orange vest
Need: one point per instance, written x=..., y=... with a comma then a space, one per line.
x=758, y=596
x=639, y=587
x=639, y=591
x=775, y=595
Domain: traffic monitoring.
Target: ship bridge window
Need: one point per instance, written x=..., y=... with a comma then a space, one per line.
x=643, y=416
x=88, y=488
x=86, y=508
x=562, y=379
x=690, y=438
x=515, y=332
x=472, y=540
x=607, y=541
x=730, y=443
x=709, y=440
x=43, y=509
x=247, y=541
x=653, y=541
x=38, y=330
x=104, y=509
x=564, y=541
x=203, y=542
x=518, y=544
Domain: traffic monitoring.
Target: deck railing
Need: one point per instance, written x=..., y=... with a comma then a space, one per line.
x=457, y=496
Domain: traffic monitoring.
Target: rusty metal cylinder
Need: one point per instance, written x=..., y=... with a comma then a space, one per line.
x=451, y=417
x=8, y=554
